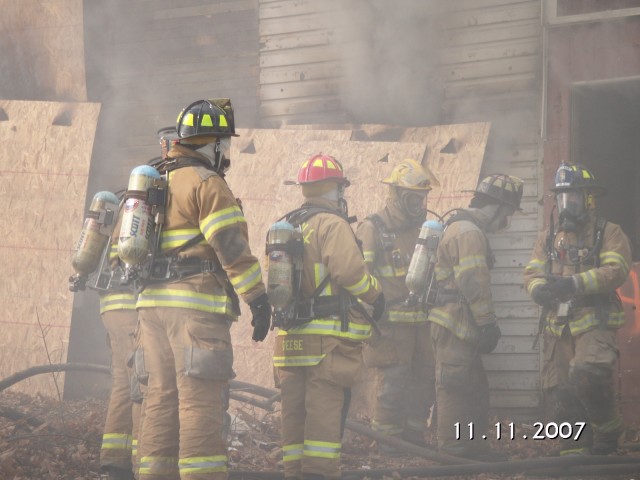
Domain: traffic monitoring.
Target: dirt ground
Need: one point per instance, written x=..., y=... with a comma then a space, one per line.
x=43, y=438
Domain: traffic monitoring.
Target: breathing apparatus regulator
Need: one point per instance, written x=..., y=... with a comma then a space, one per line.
x=420, y=279
x=91, y=249
x=142, y=220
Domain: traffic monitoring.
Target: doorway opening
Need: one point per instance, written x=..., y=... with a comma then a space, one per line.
x=605, y=137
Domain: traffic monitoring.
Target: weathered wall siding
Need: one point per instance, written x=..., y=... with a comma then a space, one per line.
x=42, y=50
x=491, y=70
x=300, y=70
x=43, y=194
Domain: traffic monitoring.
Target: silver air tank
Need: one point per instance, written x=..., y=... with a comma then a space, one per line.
x=423, y=261
x=280, y=264
x=136, y=232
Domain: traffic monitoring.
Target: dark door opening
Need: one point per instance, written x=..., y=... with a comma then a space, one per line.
x=605, y=136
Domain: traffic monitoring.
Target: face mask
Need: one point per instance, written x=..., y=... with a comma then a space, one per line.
x=413, y=205
x=218, y=154
x=571, y=210
x=500, y=218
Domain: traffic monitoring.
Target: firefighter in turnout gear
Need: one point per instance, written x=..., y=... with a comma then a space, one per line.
x=463, y=318
x=98, y=268
x=573, y=275
x=120, y=438
x=403, y=354
x=318, y=351
x=190, y=300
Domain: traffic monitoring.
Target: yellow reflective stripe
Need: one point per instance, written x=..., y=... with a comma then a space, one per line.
x=589, y=280
x=322, y=449
x=328, y=326
x=306, y=236
x=614, y=257
x=459, y=329
x=134, y=447
x=196, y=465
x=158, y=466
x=374, y=282
x=206, y=121
x=535, y=266
x=117, y=301
x=607, y=427
x=247, y=280
x=185, y=299
x=171, y=239
x=319, y=272
x=442, y=273
x=361, y=287
x=298, y=361
x=188, y=120
x=386, y=271
x=113, y=251
x=481, y=308
x=218, y=220
x=292, y=452
x=369, y=256
x=116, y=441
x=589, y=321
x=536, y=282
x=387, y=428
x=397, y=316
x=470, y=262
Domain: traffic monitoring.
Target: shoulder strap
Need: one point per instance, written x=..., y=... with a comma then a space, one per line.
x=386, y=237
x=302, y=214
x=598, y=238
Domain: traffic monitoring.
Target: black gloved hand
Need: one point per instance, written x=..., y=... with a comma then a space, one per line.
x=543, y=295
x=261, y=320
x=563, y=287
x=379, y=307
x=488, y=337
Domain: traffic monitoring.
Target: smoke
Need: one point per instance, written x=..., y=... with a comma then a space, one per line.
x=390, y=52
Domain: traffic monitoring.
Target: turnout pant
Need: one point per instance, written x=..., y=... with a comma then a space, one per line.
x=188, y=357
x=121, y=425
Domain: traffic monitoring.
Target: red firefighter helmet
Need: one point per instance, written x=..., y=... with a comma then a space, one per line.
x=320, y=168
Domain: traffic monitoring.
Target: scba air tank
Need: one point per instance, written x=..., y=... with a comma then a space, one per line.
x=281, y=267
x=424, y=257
x=136, y=232
x=96, y=230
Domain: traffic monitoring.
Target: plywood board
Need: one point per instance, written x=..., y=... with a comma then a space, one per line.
x=43, y=49
x=276, y=156
x=45, y=155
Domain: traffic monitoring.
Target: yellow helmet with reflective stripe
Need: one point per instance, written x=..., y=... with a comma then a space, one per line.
x=206, y=118
x=411, y=175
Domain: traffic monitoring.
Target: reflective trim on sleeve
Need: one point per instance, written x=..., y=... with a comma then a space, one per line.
x=535, y=266
x=443, y=273
x=333, y=327
x=200, y=465
x=369, y=256
x=609, y=257
x=247, y=280
x=470, y=262
x=536, y=282
x=319, y=272
x=117, y=301
x=398, y=316
x=481, y=308
x=589, y=280
x=213, y=223
x=322, y=449
x=172, y=239
x=361, y=287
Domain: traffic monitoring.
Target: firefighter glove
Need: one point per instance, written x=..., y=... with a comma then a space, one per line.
x=261, y=317
x=563, y=287
x=379, y=306
x=488, y=337
x=543, y=295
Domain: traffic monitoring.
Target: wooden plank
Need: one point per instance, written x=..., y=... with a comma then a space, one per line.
x=297, y=40
x=511, y=239
x=299, y=23
x=509, y=344
x=514, y=380
x=298, y=56
x=289, y=8
x=295, y=73
x=509, y=293
x=501, y=399
x=461, y=5
x=492, y=68
x=494, y=15
x=45, y=193
x=305, y=89
x=208, y=9
x=478, y=88
x=510, y=31
x=502, y=362
x=475, y=53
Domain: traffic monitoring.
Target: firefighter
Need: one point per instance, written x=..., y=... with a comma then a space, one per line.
x=318, y=351
x=403, y=355
x=573, y=274
x=463, y=319
x=120, y=437
x=98, y=267
x=190, y=300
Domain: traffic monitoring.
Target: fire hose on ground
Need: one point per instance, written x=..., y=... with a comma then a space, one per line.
x=546, y=466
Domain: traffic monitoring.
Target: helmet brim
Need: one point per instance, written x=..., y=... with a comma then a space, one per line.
x=342, y=181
